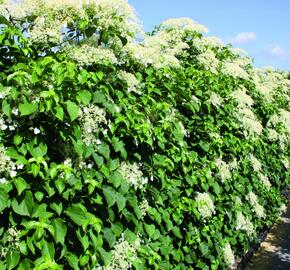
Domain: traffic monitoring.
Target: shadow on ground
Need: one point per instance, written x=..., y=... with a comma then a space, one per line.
x=274, y=252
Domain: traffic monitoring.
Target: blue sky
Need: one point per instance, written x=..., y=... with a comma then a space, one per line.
x=261, y=27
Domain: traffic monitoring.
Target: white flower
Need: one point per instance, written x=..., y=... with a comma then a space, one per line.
x=256, y=164
x=15, y=111
x=3, y=126
x=257, y=208
x=132, y=83
x=90, y=165
x=13, y=174
x=224, y=169
x=3, y=180
x=228, y=255
x=215, y=99
x=98, y=142
x=91, y=117
x=36, y=131
x=132, y=174
x=123, y=254
x=144, y=206
x=20, y=166
x=208, y=60
x=265, y=181
x=235, y=70
x=205, y=204
x=244, y=224
x=242, y=97
x=184, y=24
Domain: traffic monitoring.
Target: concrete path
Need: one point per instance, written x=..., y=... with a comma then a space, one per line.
x=274, y=252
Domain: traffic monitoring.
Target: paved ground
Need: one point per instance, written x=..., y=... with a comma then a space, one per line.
x=274, y=252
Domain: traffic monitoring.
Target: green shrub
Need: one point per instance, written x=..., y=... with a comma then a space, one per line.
x=165, y=153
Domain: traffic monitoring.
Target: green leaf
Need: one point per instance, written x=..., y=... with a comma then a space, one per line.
x=20, y=184
x=150, y=229
x=60, y=185
x=100, y=75
x=25, y=207
x=104, y=150
x=35, y=169
x=12, y=259
x=73, y=260
x=17, y=139
x=60, y=230
x=39, y=196
x=27, y=108
x=110, y=237
x=98, y=159
x=176, y=232
x=6, y=108
x=110, y=195
x=4, y=200
x=48, y=250
x=59, y=112
x=121, y=201
x=24, y=265
x=73, y=110
x=106, y=256
x=84, y=97
x=78, y=214
x=57, y=207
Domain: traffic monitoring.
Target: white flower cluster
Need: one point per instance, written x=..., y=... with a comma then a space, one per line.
x=144, y=206
x=265, y=181
x=234, y=69
x=282, y=118
x=8, y=124
x=7, y=167
x=238, y=51
x=87, y=54
x=160, y=50
x=273, y=135
x=52, y=17
x=244, y=224
x=123, y=254
x=203, y=43
x=13, y=241
x=133, y=175
x=215, y=99
x=184, y=24
x=234, y=164
x=258, y=209
x=208, y=60
x=256, y=164
x=114, y=14
x=205, y=204
x=224, y=169
x=132, y=83
x=249, y=121
x=269, y=83
x=241, y=96
x=228, y=255
x=91, y=117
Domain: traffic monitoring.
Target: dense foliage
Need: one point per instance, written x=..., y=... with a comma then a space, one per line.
x=120, y=149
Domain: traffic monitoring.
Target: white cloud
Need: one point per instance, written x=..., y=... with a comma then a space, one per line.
x=243, y=37
x=277, y=51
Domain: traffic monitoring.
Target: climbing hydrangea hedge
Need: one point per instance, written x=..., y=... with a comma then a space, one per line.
x=121, y=149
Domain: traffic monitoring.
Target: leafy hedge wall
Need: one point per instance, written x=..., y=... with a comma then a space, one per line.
x=120, y=149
